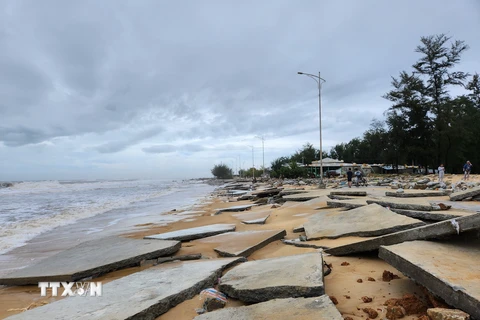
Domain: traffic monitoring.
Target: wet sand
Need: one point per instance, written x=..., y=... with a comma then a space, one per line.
x=341, y=283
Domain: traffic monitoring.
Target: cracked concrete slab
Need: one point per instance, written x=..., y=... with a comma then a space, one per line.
x=235, y=208
x=447, y=269
x=312, y=194
x=319, y=308
x=402, y=203
x=259, y=217
x=460, y=195
x=349, y=204
x=367, y=221
x=92, y=258
x=431, y=231
x=413, y=194
x=349, y=193
x=143, y=295
x=194, y=233
x=234, y=244
x=284, y=277
x=433, y=215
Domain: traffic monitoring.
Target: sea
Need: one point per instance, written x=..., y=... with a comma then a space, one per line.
x=93, y=208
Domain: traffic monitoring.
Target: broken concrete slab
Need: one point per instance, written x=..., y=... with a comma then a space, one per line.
x=235, y=208
x=416, y=194
x=302, y=196
x=349, y=193
x=194, y=233
x=447, y=314
x=349, y=204
x=303, y=244
x=431, y=231
x=235, y=244
x=92, y=258
x=283, y=277
x=259, y=217
x=266, y=192
x=320, y=308
x=433, y=215
x=407, y=204
x=299, y=229
x=143, y=295
x=367, y=221
x=286, y=192
x=447, y=269
x=460, y=195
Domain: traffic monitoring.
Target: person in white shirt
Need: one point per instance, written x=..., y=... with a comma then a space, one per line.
x=441, y=173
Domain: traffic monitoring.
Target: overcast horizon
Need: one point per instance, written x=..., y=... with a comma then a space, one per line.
x=164, y=89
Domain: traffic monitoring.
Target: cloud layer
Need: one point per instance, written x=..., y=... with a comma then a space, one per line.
x=118, y=89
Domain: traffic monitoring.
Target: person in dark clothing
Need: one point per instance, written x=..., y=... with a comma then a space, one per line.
x=349, y=177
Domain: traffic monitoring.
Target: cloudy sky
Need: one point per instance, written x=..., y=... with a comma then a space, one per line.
x=167, y=89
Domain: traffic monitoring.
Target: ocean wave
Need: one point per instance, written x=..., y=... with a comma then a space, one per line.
x=32, y=208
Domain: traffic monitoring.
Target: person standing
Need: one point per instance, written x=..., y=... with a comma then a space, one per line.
x=441, y=173
x=467, y=168
x=358, y=176
x=349, y=177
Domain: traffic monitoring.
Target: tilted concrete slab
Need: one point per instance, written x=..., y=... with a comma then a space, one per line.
x=285, y=277
x=92, y=258
x=291, y=191
x=367, y=221
x=194, y=233
x=456, y=196
x=302, y=196
x=411, y=194
x=143, y=295
x=318, y=308
x=433, y=215
x=259, y=217
x=349, y=193
x=266, y=192
x=447, y=269
x=235, y=208
x=234, y=244
x=401, y=203
x=349, y=204
x=303, y=244
x=431, y=231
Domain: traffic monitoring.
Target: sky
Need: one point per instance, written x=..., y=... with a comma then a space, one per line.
x=118, y=89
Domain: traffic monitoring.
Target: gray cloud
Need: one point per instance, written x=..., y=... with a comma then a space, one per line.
x=97, y=78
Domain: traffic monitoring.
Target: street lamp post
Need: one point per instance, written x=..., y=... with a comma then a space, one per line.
x=319, y=80
x=263, y=151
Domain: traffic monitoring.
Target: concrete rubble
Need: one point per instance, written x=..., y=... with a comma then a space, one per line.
x=448, y=269
x=92, y=258
x=366, y=221
x=267, y=279
x=194, y=233
x=432, y=231
x=143, y=295
x=234, y=244
x=319, y=308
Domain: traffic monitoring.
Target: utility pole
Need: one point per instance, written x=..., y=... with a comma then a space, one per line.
x=263, y=151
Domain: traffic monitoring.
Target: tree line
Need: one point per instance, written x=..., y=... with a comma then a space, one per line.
x=426, y=125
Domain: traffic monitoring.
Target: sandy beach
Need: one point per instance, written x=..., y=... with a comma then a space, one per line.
x=352, y=277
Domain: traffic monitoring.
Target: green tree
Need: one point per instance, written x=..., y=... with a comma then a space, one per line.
x=222, y=171
x=305, y=155
x=440, y=57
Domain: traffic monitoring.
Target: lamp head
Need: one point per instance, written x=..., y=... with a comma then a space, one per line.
x=300, y=72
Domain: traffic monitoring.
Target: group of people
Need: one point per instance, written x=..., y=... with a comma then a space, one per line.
x=467, y=168
x=358, y=176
